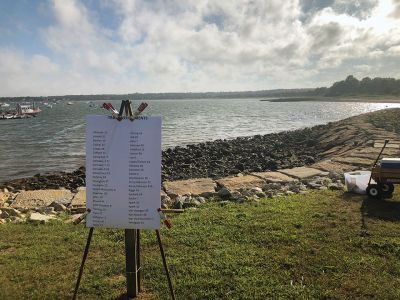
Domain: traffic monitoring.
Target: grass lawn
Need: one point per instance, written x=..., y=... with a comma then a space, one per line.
x=314, y=246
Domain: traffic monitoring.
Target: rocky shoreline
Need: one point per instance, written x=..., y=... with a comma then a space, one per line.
x=214, y=159
x=238, y=170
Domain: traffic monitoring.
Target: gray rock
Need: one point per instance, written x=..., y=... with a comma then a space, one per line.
x=272, y=186
x=326, y=181
x=246, y=192
x=256, y=190
x=74, y=218
x=4, y=215
x=335, y=175
x=269, y=194
x=178, y=203
x=294, y=189
x=302, y=187
x=191, y=203
x=261, y=195
x=336, y=186
x=39, y=218
x=201, y=199
x=235, y=195
x=166, y=200
x=11, y=211
x=224, y=193
x=240, y=199
x=48, y=210
x=314, y=185
x=58, y=206
x=18, y=220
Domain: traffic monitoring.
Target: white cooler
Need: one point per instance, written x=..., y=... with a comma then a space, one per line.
x=357, y=181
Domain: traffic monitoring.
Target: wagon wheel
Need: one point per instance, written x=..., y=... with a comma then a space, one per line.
x=387, y=189
x=374, y=191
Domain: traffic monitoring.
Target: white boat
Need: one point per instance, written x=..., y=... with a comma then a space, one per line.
x=4, y=105
x=27, y=110
x=69, y=103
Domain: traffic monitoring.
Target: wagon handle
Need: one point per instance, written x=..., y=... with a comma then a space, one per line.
x=380, y=153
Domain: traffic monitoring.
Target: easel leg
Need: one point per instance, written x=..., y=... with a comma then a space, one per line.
x=138, y=261
x=131, y=262
x=165, y=264
x=83, y=262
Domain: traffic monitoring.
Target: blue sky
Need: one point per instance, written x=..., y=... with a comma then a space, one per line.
x=57, y=47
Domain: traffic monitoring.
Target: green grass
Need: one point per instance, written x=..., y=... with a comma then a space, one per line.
x=323, y=245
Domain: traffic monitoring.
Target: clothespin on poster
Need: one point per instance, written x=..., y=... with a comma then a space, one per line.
x=111, y=108
x=125, y=106
x=167, y=222
x=81, y=217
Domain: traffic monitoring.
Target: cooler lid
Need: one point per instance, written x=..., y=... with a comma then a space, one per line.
x=390, y=160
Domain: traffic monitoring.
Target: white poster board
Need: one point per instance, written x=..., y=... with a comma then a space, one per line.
x=123, y=172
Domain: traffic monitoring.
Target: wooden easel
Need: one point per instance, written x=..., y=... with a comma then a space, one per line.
x=132, y=236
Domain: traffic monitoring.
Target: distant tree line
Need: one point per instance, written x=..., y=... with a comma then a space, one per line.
x=176, y=96
x=351, y=86
x=366, y=86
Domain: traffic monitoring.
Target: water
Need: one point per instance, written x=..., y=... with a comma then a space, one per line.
x=55, y=140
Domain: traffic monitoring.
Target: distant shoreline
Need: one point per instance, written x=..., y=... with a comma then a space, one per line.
x=363, y=99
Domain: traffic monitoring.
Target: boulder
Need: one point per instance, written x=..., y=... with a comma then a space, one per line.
x=329, y=166
x=303, y=172
x=79, y=198
x=224, y=193
x=236, y=183
x=39, y=218
x=58, y=206
x=74, y=218
x=274, y=177
x=4, y=215
x=11, y=212
x=32, y=199
x=336, y=186
x=204, y=187
x=201, y=199
x=46, y=210
x=178, y=203
x=356, y=161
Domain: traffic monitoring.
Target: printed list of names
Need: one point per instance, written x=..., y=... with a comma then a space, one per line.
x=123, y=169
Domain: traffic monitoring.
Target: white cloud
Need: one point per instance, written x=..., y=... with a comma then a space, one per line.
x=199, y=45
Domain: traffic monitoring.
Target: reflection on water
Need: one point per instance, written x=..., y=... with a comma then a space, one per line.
x=54, y=140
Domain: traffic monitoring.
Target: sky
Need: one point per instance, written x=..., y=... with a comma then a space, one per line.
x=59, y=47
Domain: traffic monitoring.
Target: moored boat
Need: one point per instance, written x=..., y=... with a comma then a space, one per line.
x=27, y=110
